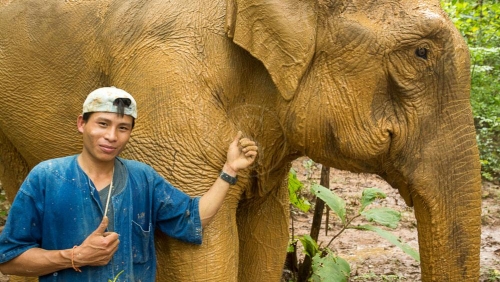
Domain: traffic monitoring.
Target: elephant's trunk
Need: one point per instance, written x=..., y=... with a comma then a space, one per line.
x=445, y=189
x=449, y=230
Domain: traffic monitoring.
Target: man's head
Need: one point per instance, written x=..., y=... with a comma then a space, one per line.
x=110, y=99
x=106, y=123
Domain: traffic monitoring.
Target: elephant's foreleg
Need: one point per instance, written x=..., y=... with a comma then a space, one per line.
x=13, y=167
x=23, y=279
x=215, y=260
x=263, y=232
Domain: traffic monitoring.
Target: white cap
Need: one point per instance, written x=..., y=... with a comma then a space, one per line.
x=102, y=100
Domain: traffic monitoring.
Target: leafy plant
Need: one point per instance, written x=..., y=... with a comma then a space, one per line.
x=493, y=275
x=479, y=23
x=383, y=216
x=324, y=262
x=295, y=188
x=329, y=267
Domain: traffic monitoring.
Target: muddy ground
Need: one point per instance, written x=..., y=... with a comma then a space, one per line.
x=372, y=258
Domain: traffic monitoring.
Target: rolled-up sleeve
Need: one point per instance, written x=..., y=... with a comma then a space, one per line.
x=178, y=214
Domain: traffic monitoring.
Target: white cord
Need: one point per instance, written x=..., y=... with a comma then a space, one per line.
x=109, y=192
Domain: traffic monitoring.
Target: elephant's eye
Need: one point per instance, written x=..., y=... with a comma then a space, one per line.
x=422, y=52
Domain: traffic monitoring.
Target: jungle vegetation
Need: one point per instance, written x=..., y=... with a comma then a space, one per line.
x=479, y=23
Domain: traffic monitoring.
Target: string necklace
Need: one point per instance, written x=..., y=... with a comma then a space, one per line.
x=109, y=192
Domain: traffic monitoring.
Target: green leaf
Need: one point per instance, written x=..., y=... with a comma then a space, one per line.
x=116, y=277
x=393, y=239
x=335, y=203
x=330, y=268
x=291, y=247
x=311, y=248
x=294, y=187
x=370, y=195
x=384, y=216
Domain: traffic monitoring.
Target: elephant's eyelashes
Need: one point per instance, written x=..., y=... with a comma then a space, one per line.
x=422, y=52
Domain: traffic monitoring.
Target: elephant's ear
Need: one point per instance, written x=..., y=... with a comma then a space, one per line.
x=280, y=33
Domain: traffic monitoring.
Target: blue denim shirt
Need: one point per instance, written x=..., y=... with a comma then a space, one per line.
x=57, y=207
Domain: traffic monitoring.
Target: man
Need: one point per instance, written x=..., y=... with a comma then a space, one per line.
x=91, y=217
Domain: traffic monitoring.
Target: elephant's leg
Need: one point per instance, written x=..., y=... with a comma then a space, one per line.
x=215, y=260
x=263, y=232
x=13, y=167
x=22, y=279
x=13, y=170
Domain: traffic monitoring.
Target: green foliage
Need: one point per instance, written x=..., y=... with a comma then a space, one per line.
x=479, y=23
x=329, y=267
x=369, y=195
x=311, y=248
x=294, y=188
x=493, y=275
x=326, y=266
x=384, y=216
x=393, y=239
x=488, y=140
x=332, y=200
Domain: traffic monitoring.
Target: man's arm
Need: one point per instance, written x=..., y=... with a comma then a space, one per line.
x=97, y=249
x=241, y=154
x=37, y=262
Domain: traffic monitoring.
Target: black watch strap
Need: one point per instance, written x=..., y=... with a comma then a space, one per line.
x=228, y=178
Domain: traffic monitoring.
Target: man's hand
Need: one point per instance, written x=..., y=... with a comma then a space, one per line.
x=241, y=154
x=98, y=248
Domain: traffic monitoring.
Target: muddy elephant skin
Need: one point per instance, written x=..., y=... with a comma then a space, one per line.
x=368, y=86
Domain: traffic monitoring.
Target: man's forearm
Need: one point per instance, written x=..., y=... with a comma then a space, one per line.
x=37, y=262
x=211, y=201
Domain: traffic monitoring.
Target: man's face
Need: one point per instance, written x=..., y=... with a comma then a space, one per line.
x=105, y=135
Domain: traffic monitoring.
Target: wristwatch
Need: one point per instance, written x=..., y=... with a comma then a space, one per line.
x=228, y=178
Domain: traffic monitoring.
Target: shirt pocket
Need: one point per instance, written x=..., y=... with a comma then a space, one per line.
x=141, y=243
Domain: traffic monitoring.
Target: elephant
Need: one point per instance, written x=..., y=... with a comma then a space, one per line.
x=379, y=87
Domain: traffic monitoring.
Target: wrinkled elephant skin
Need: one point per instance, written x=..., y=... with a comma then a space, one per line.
x=369, y=86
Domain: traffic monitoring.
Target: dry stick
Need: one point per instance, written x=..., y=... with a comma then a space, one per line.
x=327, y=219
x=305, y=268
x=343, y=229
x=320, y=204
x=291, y=258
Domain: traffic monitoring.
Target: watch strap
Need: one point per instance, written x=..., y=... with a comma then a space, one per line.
x=228, y=178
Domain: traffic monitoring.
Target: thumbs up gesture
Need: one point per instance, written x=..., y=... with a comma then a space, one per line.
x=98, y=248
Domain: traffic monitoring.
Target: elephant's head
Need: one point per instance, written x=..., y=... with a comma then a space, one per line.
x=379, y=87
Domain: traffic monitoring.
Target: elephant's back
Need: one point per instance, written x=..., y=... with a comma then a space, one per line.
x=38, y=97
x=53, y=53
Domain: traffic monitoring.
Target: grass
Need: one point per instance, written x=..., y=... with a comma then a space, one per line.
x=4, y=206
